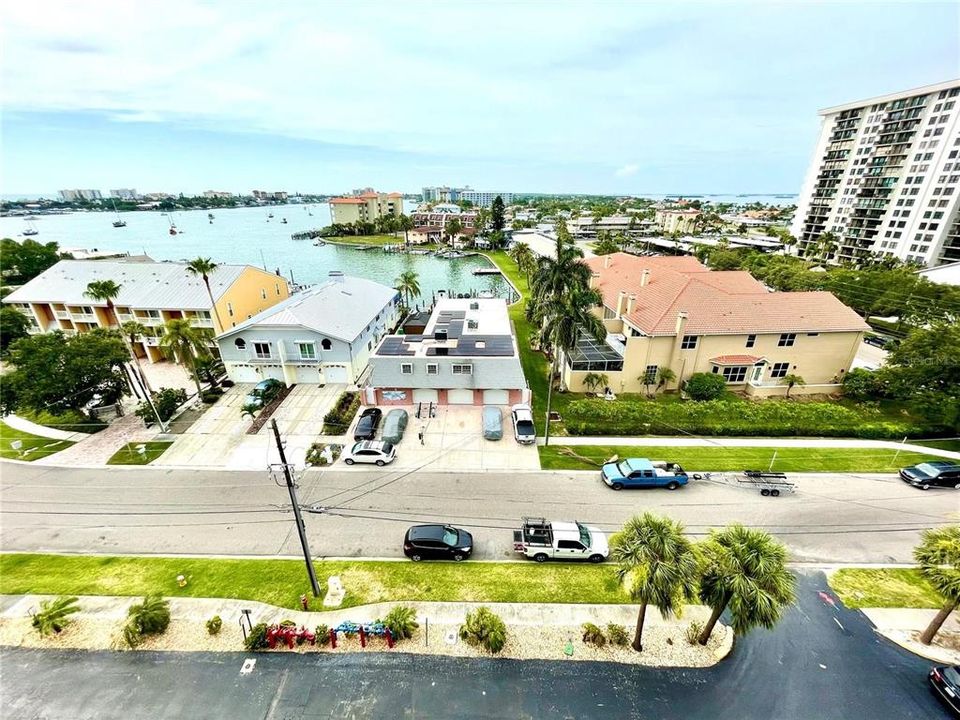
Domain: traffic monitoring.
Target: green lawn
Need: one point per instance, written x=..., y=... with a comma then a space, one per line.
x=790, y=459
x=943, y=444
x=886, y=587
x=280, y=582
x=33, y=447
x=128, y=455
x=367, y=240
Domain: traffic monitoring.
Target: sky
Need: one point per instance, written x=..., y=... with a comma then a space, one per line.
x=555, y=97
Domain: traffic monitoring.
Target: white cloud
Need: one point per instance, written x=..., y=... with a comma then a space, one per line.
x=627, y=170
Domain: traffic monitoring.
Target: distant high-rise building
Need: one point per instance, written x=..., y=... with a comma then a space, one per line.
x=366, y=207
x=278, y=196
x=74, y=195
x=885, y=179
x=217, y=194
x=485, y=199
x=452, y=195
x=124, y=194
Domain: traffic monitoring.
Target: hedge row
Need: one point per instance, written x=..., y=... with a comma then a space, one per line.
x=339, y=418
x=734, y=417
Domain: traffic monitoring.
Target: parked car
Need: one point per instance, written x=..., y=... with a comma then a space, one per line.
x=394, y=425
x=492, y=423
x=936, y=473
x=371, y=451
x=437, y=542
x=523, y=429
x=263, y=392
x=541, y=541
x=367, y=424
x=641, y=473
x=946, y=682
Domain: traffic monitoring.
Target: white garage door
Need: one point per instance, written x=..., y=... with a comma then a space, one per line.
x=496, y=397
x=424, y=395
x=272, y=371
x=460, y=396
x=244, y=374
x=335, y=375
x=309, y=374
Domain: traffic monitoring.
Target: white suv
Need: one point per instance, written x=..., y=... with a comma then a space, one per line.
x=523, y=428
x=370, y=451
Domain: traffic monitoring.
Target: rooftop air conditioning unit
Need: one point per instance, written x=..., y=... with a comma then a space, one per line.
x=440, y=335
x=441, y=350
x=474, y=306
x=472, y=324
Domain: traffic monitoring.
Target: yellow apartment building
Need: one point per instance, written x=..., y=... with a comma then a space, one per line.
x=366, y=207
x=681, y=221
x=151, y=293
x=673, y=312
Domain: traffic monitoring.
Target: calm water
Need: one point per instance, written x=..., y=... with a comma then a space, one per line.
x=244, y=236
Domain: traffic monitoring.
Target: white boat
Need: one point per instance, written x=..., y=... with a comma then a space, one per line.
x=118, y=223
x=31, y=228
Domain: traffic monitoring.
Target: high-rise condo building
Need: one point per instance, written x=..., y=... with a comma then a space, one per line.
x=885, y=179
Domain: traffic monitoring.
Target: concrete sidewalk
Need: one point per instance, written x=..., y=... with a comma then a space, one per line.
x=18, y=423
x=904, y=625
x=752, y=442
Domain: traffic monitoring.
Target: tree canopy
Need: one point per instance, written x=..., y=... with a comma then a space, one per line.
x=23, y=261
x=497, y=220
x=13, y=326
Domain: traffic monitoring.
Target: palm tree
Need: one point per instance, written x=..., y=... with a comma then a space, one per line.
x=405, y=223
x=452, y=229
x=658, y=564
x=605, y=244
x=54, y=615
x=594, y=380
x=409, y=284
x=666, y=376
x=204, y=267
x=104, y=291
x=523, y=256
x=938, y=555
x=185, y=343
x=744, y=569
x=132, y=331
x=791, y=380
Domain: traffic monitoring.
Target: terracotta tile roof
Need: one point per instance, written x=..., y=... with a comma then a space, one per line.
x=736, y=360
x=346, y=201
x=716, y=303
x=427, y=229
x=395, y=195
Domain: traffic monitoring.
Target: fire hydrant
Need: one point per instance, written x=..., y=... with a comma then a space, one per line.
x=304, y=602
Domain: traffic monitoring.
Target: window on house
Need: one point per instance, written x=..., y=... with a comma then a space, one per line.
x=263, y=293
x=326, y=344
x=406, y=368
x=608, y=314
x=735, y=373
x=240, y=343
x=751, y=340
x=689, y=342
x=650, y=374
x=462, y=369
x=261, y=349
x=308, y=351
x=787, y=340
x=277, y=286
x=230, y=309
x=812, y=334
x=433, y=369
x=779, y=370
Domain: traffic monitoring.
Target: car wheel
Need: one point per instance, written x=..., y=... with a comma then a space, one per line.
x=416, y=558
x=596, y=558
x=380, y=463
x=617, y=486
x=957, y=486
x=540, y=557
x=673, y=486
x=925, y=487
x=349, y=461
x=764, y=492
x=775, y=493
x=697, y=476
x=458, y=557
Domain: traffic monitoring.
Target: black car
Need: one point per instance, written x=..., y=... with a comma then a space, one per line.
x=946, y=682
x=437, y=542
x=936, y=473
x=367, y=424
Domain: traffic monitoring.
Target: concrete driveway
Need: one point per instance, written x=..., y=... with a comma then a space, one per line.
x=454, y=438
x=303, y=409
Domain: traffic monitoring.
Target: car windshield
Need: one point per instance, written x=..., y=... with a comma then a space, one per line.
x=525, y=427
x=387, y=448
x=927, y=469
x=450, y=536
x=584, y=535
x=358, y=446
x=624, y=468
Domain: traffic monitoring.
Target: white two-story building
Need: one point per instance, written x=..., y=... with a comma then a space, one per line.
x=325, y=334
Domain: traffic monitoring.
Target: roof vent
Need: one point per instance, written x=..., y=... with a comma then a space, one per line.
x=474, y=306
x=440, y=335
x=441, y=350
x=336, y=275
x=472, y=324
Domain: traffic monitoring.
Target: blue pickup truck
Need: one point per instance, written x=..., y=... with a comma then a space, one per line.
x=642, y=473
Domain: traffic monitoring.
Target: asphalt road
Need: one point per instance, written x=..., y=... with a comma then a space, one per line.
x=831, y=518
x=821, y=662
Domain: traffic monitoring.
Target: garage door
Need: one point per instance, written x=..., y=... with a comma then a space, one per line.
x=272, y=371
x=460, y=397
x=424, y=395
x=496, y=397
x=243, y=374
x=309, y=374
x=334, y=374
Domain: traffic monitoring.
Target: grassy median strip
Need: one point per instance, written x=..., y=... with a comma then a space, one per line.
x=698, y=459
x=281, y=582
x=32, y=447
x=884, y=587
x=130, y=453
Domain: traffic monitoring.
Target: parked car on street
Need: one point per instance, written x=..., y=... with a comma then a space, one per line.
x=367, y=424
x=370, y=451
x=263, y=392
x=492, y=423
x=542, y=541
x=437, y=542
x=642, y=473
x=523, y=429
x=946, y=682
x=936, y=473
x=394, y=425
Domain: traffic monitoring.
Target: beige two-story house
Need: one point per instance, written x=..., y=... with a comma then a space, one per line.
x=673, y=312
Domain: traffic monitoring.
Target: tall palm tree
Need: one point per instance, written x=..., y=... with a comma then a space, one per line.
x=185, y=343
x=104, y=291
x=132, y=331
x=658, y=563
x=523, y=256
x=406, y=224
x=452, y=229
x=204, y=267
x=746, y=570
x=938, y=555
x=409, y=284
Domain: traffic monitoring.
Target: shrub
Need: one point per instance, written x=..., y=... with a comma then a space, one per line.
x=592, y=635
x=151, y=617
x=166, y=401
x=315, y=454
x=68, y=420
x=214, y=625
x=617, y=634
x=54, y=615
x=257, y=637
x=339, y=418
x=705, y=386
x=323, y=635
x=484, y=628
x=693, y=632
x=209, y=397
x=402, y=621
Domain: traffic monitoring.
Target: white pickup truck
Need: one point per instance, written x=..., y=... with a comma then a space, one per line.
x=542, y=541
